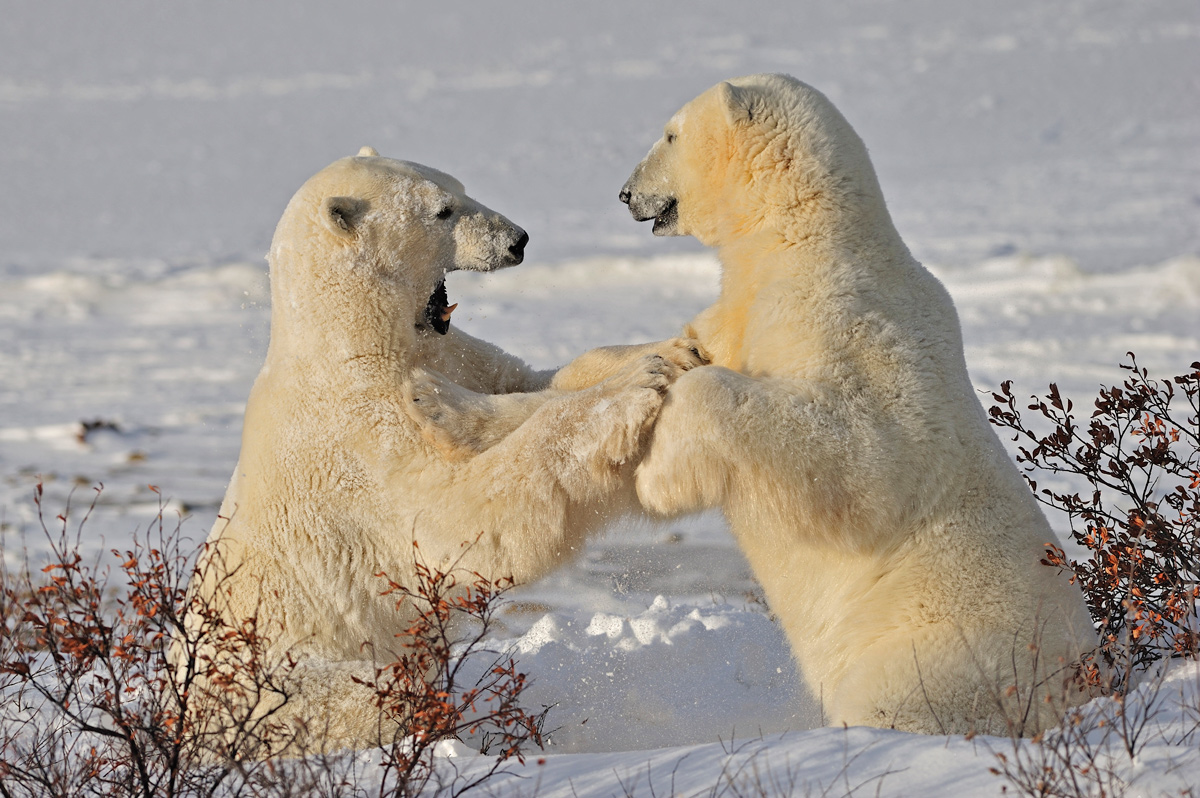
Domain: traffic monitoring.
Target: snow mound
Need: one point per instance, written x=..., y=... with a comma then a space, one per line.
x=669, y=675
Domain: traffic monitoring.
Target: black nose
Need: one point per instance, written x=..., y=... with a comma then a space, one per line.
x=517, y=250
x=624, y=196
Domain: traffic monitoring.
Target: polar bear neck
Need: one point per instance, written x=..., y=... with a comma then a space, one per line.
x=819, y=277
x=818, y=179
x=829, y=224
x=325, y=314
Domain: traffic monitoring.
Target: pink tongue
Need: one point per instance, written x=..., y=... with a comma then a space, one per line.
x=446, y=313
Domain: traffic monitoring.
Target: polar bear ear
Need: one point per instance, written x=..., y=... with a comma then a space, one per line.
x=368, y=152
x=342, y=214
x=738, y=103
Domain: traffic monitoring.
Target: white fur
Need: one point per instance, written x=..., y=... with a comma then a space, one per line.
x=366, y=431
x=840, y=433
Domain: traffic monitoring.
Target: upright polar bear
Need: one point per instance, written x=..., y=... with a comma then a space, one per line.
x=837, y=428
x=339, y=473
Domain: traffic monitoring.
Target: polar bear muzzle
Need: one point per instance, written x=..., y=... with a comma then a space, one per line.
x=485, y=241
x=438, y=308
x=663, y=210
x=666, y=221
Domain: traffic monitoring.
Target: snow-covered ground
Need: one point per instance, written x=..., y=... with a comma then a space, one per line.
x=1042, y=158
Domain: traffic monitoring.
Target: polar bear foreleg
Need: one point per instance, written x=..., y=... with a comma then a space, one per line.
x=461, y=422
x=686, y=467
x=716, y=423
x=537, y=494
x=579, y=437
x=478, y=365
x=597, y=365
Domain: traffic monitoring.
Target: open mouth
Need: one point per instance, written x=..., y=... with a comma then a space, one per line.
x=438, y=309
x=667, y=218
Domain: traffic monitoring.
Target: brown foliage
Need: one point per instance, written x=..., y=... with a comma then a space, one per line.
x=1139, y=522
x=121, y=681
x=422, y=689
x=1141, y=574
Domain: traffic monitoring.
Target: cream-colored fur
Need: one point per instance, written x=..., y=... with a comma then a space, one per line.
x=367, y=430
x=840, y=433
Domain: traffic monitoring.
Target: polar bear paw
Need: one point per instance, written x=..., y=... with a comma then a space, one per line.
x=632, y=400
x=685, y=352
x=650, y=372
x=607, y=362
x=685, y=467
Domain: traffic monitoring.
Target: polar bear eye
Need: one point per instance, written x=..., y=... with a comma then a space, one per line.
x=670, y=138
x=446, y=212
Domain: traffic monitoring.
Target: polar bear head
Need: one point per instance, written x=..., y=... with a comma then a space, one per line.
x=753, y=153
x=368, y=229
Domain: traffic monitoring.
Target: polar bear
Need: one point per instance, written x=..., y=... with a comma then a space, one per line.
x=838, y=430
x=341, y=469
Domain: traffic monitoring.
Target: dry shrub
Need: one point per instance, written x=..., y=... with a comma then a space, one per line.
x=1138, y=524
x=120, y=681
x=422, y=690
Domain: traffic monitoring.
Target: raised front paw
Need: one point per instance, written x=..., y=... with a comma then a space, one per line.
x=606, y=362
x=685, y=353
x=686, y=466
x=635, y=397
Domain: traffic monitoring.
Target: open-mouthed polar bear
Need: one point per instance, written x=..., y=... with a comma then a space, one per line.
x=341, y=469
x=838, y=430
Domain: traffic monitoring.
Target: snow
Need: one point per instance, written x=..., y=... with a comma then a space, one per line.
x=667, y=675
x=1041, y=159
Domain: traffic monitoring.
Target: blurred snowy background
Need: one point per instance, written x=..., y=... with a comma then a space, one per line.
x=178, y=130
